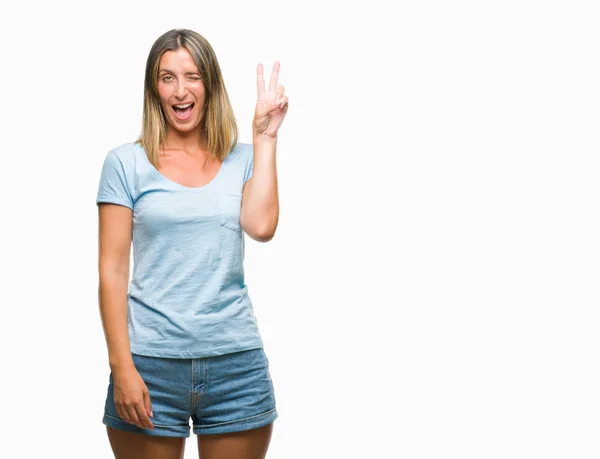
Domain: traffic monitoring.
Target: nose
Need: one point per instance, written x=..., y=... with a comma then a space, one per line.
x=181, y=90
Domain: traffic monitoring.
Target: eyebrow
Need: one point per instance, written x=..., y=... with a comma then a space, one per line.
x=171, y=71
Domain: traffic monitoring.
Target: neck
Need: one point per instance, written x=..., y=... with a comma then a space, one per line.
x=192, y=143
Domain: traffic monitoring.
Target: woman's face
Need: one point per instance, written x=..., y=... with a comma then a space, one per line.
x=179, y=85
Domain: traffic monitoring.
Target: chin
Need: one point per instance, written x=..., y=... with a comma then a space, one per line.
x=187, y=127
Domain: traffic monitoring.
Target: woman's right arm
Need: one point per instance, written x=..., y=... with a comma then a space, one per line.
x=132, y=400
x=114, y=245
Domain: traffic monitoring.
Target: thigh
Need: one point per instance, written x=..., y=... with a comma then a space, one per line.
x=247, y=444
x=131, y=445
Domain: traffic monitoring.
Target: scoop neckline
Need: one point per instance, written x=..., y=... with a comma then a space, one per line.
x=158, y=175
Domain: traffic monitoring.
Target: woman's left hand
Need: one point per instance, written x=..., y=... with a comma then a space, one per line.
x=271, y=106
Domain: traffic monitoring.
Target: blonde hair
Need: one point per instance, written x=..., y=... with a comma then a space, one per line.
x=218, y=120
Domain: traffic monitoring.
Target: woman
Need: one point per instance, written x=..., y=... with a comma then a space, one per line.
x=182, y=337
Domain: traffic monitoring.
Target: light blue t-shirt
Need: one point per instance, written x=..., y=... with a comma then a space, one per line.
x=187, y=297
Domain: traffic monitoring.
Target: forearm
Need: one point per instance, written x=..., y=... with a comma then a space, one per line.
x=112, y=297
x=261, y=205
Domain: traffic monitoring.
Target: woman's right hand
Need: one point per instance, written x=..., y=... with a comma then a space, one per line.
x=132, y=398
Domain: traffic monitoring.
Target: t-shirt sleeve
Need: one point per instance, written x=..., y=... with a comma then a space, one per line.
x=113, y=187
x=249, y=162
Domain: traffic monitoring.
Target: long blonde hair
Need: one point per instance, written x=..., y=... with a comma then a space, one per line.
x=218, y=120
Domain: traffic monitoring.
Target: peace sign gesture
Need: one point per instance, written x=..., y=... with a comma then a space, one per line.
x=271, y=106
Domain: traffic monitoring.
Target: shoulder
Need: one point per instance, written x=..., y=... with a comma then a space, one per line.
x=126, y=157
x=127, y=152
x=240, y=161
x=241, y=152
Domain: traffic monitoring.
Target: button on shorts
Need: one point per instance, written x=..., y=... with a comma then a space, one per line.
x=221, y=394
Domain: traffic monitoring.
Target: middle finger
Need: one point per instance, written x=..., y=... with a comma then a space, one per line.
x=143, y=416
x=133, y=417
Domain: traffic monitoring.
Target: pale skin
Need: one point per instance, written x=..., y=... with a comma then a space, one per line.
x=185, y=160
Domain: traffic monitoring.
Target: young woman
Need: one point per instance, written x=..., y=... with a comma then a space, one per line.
x=182, y=338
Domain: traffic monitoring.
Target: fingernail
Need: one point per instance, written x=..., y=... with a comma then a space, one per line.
x=151, y=414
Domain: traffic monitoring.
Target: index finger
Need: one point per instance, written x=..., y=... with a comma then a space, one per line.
x=274, y=77
x=260, y=79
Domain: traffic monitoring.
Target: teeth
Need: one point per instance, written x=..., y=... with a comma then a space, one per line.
x=183, y=106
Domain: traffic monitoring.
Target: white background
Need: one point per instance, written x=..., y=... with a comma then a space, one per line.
x=432, y=289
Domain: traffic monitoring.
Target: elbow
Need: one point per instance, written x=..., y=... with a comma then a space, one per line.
x=264, y=237
x=264, y=233
x=261, y=231
x=110, y=272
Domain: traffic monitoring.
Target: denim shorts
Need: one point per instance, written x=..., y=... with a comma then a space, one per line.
x=222, y=394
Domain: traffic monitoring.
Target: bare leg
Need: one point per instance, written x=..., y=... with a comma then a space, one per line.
x=249, y=444
x=130, y=445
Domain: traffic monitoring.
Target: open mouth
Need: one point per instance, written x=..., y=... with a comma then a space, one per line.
x=183, y=111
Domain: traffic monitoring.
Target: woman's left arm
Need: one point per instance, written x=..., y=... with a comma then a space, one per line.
x=260, y=199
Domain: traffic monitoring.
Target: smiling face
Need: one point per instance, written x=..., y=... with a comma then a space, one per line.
x=180, y=90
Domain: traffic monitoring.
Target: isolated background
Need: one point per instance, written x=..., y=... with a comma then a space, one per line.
x=432, y=289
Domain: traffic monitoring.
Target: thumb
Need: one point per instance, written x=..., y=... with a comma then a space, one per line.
x=263, y=108
x=147, y=404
